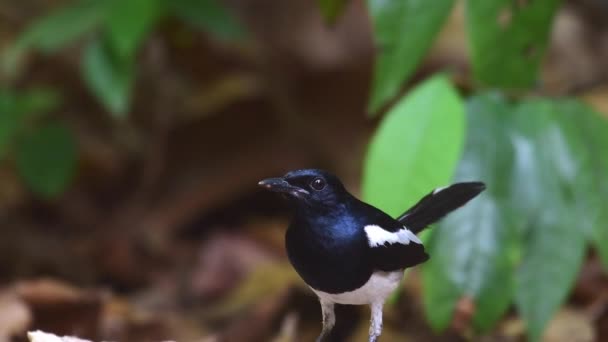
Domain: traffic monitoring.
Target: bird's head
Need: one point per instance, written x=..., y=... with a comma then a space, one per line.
x=308, y=187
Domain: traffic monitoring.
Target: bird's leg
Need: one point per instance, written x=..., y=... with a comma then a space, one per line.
x=329, y=319
x=375, y=327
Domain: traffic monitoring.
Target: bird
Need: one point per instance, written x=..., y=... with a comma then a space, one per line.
x=350, y=252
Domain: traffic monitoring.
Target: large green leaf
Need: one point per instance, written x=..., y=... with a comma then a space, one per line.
x=471, y=249
x=404, y=31
x=55, y=30
x=331, y=9
x=554, y=243
x=508, y=39
x=108, y=76
x=46, y=159
x=209, y=15
x=415, y=148
x=129, y=21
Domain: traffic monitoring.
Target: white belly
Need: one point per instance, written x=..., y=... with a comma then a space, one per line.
x=379, y=286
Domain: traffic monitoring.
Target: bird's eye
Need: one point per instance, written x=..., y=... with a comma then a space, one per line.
x=318, y=184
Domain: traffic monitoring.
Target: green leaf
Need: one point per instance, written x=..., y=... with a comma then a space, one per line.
x=534, y=179
x=208, y=15
x=36, y=101
x=109, y=77
x=46, y=159
x=470, y=253
x=331, y=9
x=508, y=39
x=471, y=248
x=55, y=30
x=128, y=23
x=439, y=297
x=554, y=242
x=415, y=148
x=595, y=129
x=591, y=183
x=554, y=253
x=601, y=241
x=583, y=162
x=17, y=108
x=404, y=31
x=8, y=121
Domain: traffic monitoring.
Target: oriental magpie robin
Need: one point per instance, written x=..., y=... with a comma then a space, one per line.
x=350, y=252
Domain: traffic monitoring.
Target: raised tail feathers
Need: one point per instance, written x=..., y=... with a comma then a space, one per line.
x=437, y=204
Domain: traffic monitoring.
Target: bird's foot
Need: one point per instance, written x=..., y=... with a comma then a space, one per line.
x=375, y=331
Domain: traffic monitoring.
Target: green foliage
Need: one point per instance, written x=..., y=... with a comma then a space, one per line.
x=550, y=157
x=553, y=253
x=600, y=240
x=404, y=31
x=17, y=109
x=209, y=15
x=544, y=160
x=108, y=76
x=331, y=9
x=46, y=159
x=120, y=27
x=128, y=22
x=508, y=39
x=591, y=198
x=524, y=239
x=45, y=154
x=403, y=162
x=53, y=32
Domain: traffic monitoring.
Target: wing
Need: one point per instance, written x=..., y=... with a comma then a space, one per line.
x=391, y=245
x=434, y=206
x=391, y=251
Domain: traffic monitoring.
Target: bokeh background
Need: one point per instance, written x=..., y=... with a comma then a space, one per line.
x=133, y=134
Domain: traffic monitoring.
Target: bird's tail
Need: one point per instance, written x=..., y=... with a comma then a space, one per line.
x=434, y=206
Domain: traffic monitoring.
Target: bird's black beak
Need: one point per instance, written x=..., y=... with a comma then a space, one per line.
x=281, y=185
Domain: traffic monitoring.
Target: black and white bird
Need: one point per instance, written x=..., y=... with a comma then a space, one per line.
x=349, y=252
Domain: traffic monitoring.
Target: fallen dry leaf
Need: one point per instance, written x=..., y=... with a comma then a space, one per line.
x=264, y=314
x=597, y=98
x=225, y=260
x=267, y=281
x=15, y=316
x=570, y=325
x=61, y=308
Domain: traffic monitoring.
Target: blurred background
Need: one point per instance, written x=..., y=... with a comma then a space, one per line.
x=133, y=134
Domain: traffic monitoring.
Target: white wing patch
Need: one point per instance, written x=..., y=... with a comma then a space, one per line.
x=378, y=236
x=439, y=189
